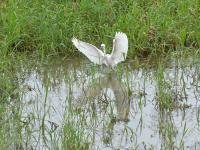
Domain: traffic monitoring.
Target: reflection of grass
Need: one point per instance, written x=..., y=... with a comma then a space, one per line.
x=73, y=138
x=164, y=95
x=169, y=132
x=10, y=128
x=2, y=128
x=46, y=27
x=17, y=132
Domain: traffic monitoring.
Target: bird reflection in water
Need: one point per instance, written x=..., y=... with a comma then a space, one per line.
x=108, y=89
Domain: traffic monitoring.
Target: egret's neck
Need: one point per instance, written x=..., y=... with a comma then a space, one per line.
x=104, y=50
x=103, y=47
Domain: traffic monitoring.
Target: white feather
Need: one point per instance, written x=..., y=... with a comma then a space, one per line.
x=119, y=52
x=93, y=53
x=120, y=47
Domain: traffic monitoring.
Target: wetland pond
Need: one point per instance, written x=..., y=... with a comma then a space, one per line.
x=74, y=104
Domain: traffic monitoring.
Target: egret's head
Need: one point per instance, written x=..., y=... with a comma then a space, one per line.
x=103, y=47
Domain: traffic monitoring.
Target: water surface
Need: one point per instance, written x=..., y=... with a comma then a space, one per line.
x=72, y=99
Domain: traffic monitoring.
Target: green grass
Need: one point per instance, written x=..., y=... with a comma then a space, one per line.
x=164, y=92
x=46, y=27
x=9, y=118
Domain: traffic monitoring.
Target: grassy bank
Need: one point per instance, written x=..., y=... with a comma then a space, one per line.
x=46, y=27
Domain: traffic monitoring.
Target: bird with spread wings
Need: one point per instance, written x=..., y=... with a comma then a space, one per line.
x=95, y=55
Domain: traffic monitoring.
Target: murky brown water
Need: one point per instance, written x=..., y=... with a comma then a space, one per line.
x=113, y=109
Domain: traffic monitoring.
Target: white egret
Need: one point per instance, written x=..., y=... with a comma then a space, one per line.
x=95, y=55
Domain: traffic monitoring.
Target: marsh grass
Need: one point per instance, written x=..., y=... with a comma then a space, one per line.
x=164, y=93
x=9, y=117
x=16, y=131
x=80, y=125
x=167, y=130
x=46, y=27
x=73, y=138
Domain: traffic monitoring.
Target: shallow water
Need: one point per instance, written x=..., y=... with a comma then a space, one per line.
x=109, y=109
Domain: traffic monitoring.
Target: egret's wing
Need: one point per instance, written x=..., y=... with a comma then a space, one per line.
x=120, y=47
x=93, y=53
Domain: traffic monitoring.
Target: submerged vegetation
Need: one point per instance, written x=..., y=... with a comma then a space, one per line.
x=68, y=104
x=46, y=27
